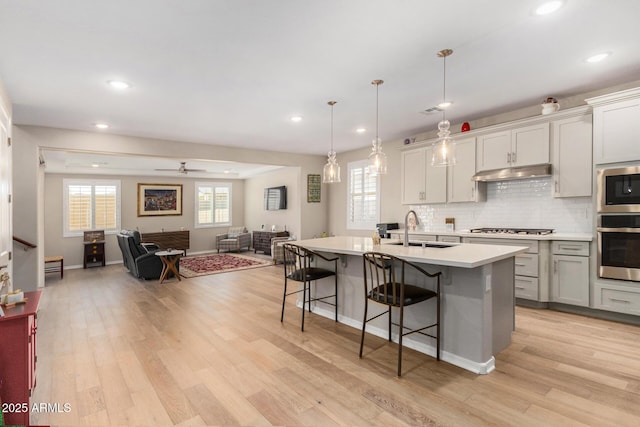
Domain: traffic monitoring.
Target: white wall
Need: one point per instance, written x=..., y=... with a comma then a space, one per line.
x=6, y=229
x=256, y=215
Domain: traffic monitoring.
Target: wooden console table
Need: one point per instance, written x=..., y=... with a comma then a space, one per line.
x=168, y=239
x=262, y=240
x=18, y=357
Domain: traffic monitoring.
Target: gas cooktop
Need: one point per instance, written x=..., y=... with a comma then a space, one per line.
x=492, y=230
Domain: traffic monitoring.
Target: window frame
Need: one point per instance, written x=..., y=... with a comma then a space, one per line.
x=359, y=224
x=214, y=184
x=66, y=182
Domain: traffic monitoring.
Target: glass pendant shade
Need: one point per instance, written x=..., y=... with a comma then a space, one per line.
x=331, y=171
x=444, y=150
x=377, y=158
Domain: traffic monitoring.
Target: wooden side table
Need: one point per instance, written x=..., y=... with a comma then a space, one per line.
x=169, y=260
x=93, y=253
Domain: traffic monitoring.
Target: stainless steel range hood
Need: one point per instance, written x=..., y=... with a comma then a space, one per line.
x=513, y=173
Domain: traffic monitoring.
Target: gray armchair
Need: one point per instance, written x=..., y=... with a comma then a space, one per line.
x=235, y=239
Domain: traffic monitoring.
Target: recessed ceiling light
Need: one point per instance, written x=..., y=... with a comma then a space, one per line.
x=296, y=119
x=227, y=171
x=101, y=125
x=597, y=58
x=361, y=130
x=95, y=165
x=548, y=7
x=444, y=104
x=118, y=84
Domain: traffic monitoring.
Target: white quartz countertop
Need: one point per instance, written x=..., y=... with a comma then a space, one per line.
x=582, y=237
x=465, y=255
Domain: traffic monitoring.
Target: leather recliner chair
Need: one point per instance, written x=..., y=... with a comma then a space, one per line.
x=139, y=258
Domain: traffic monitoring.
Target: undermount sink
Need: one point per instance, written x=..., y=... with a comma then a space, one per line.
x=424, y=244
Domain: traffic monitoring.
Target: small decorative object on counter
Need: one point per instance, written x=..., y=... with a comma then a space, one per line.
x=466, y=127
x=450, y=224
x=375, y=239
x=550, y=106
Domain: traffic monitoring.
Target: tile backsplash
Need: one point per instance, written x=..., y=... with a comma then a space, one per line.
x=525, y=203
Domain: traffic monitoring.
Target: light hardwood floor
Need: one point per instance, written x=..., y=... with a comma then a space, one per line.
x=212, y=351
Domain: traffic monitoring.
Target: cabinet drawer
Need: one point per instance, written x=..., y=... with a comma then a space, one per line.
x=422, y=237
x=617, y=299
x=526, y=265
x=449, y=239
x=526, y=287
x=531, y=244
x=561, y=247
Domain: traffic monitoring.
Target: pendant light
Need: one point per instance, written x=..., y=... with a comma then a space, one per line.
x=444, y=150
x=377, y=159
x=331, y=171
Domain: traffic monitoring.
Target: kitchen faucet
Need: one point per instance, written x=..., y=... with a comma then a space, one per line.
x=406, y=226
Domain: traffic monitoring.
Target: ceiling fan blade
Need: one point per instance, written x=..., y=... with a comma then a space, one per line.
x=168, y=170
x=196, y=170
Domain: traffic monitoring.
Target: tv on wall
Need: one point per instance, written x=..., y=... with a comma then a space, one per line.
x=275, y=198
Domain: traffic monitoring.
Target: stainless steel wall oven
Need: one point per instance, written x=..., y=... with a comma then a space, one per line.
x=619, y=190
x=619, y=247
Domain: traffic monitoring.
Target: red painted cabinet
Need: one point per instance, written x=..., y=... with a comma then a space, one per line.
x=18, y=359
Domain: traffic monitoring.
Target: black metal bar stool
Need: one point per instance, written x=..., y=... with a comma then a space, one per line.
x=298, y=267
x=383, y=286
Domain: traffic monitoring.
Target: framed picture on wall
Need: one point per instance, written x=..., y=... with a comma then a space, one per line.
x=159, y=199
x=313, y=188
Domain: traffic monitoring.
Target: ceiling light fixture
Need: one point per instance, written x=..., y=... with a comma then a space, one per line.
x=597, y=58
x=377, y=159
x=331, y=171
x=296, y=119
x=118, y=84
x=444, y=148
x=101, y=125
x=548, y=7
x=444, y=105
x=361, y=130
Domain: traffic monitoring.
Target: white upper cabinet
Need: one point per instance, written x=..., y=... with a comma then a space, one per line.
x=494, y=151
x=435, y=180
x=421, y=182
x=460, y=186
x=571, y=141
x=616, y=126
x=413, y=173
x=521, y=146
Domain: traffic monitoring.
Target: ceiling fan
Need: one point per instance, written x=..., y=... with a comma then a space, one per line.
x=183, y=169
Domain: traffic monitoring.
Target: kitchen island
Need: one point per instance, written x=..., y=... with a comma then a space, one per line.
x=477, y=295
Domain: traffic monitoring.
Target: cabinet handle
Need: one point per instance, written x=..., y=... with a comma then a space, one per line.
x=569, y=248
x=519, y=287
x=519, y=265
x=555, y=267
x=619, y=300
x=508, y=157
x=556, y=185
x=513, y=157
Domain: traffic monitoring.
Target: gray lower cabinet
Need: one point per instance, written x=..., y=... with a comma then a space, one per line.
x=531, y=267
x=621, y=298
x=570, y=272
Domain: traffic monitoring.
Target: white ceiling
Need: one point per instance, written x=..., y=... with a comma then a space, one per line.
x=234, y=72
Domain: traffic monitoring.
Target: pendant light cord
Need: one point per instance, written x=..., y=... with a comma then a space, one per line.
x=332, y=127
x=444, y=85
x=377, y=110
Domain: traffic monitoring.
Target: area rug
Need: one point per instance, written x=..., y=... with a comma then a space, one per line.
x=218, y=263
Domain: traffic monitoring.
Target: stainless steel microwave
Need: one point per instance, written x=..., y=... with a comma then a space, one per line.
x=619, y=190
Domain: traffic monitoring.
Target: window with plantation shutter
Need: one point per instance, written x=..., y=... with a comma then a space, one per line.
x=213, y=204
x=91, y=205
x=363, y=204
